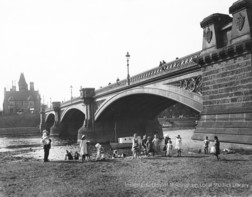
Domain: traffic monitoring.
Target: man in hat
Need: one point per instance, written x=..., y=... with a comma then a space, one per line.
x=46, y=141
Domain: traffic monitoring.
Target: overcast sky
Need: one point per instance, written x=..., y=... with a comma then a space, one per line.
x=59, y=43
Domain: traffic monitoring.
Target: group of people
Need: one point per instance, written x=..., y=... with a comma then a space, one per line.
x=215, y=149
x=70, y=156
x=85, y=150
x=145, y=146
x=169, y=146
x=149, y=147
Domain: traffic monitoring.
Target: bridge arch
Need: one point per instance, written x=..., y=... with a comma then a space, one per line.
x=49, y=120
x=173, y=93
x=71, y=120
x=79, y=107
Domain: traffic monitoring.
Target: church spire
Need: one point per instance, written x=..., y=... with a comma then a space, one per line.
x=22, y=83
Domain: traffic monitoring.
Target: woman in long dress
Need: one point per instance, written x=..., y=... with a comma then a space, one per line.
x=155, y=143
x=84, y=148
x=135, y=146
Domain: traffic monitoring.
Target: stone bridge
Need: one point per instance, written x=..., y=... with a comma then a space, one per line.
x=216, y=82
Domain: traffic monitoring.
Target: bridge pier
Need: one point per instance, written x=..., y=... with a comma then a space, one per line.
x=110, y=131
x=226, y=73
x=55, y=130
x=87, y=128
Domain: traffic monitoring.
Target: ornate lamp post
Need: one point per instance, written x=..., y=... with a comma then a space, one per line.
x=71, y=88
x=128, y=76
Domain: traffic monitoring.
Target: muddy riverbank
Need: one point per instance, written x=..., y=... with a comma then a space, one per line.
x=23, y=172
x=193, y=174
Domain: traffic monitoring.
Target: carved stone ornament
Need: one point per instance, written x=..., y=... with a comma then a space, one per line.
x=240, y=20
x=209, y=35
x=193, y=84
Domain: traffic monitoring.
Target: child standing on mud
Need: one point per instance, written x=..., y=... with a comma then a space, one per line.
x=98, y=153
x=169, y=147
x=206, y=145
x=217, y=147
x=135, y=146
x=178, y=145
x=149, y=148
x=143, y=145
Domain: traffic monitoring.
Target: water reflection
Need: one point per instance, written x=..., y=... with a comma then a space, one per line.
x=22, y=142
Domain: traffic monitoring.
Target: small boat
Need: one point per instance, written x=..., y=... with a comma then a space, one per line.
x=123, y=142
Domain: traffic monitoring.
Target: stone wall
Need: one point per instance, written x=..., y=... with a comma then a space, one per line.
x=227, y=76
x=227, y=101
x=227, y=86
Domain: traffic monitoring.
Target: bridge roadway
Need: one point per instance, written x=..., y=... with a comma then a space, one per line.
x=148, y=94
x=216, y=82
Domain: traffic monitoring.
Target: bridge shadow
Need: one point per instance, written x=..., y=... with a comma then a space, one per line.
x=232, y=160
x=175, y=156
x=66, y=161
x=79, y=161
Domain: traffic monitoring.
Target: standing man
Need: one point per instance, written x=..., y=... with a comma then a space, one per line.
x=46, y=145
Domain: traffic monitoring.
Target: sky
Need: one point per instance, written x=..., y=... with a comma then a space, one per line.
x=82, y=43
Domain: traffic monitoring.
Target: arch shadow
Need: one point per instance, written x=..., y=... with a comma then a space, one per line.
x=173, y=93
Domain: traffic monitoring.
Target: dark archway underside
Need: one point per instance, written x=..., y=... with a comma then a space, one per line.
x=71, y=122
x=139, y=106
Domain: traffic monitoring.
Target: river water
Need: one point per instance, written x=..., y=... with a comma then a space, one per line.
x=60, y=145
x=8, y=143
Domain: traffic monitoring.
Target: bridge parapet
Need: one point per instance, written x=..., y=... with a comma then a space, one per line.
x=70, y=102
x=171, y=67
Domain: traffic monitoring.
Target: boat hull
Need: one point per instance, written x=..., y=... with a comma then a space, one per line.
x=120, y=145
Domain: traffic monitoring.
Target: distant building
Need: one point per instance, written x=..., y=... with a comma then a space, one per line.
x=23, y=101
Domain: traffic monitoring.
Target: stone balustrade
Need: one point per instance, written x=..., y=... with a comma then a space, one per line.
x=178, y=64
